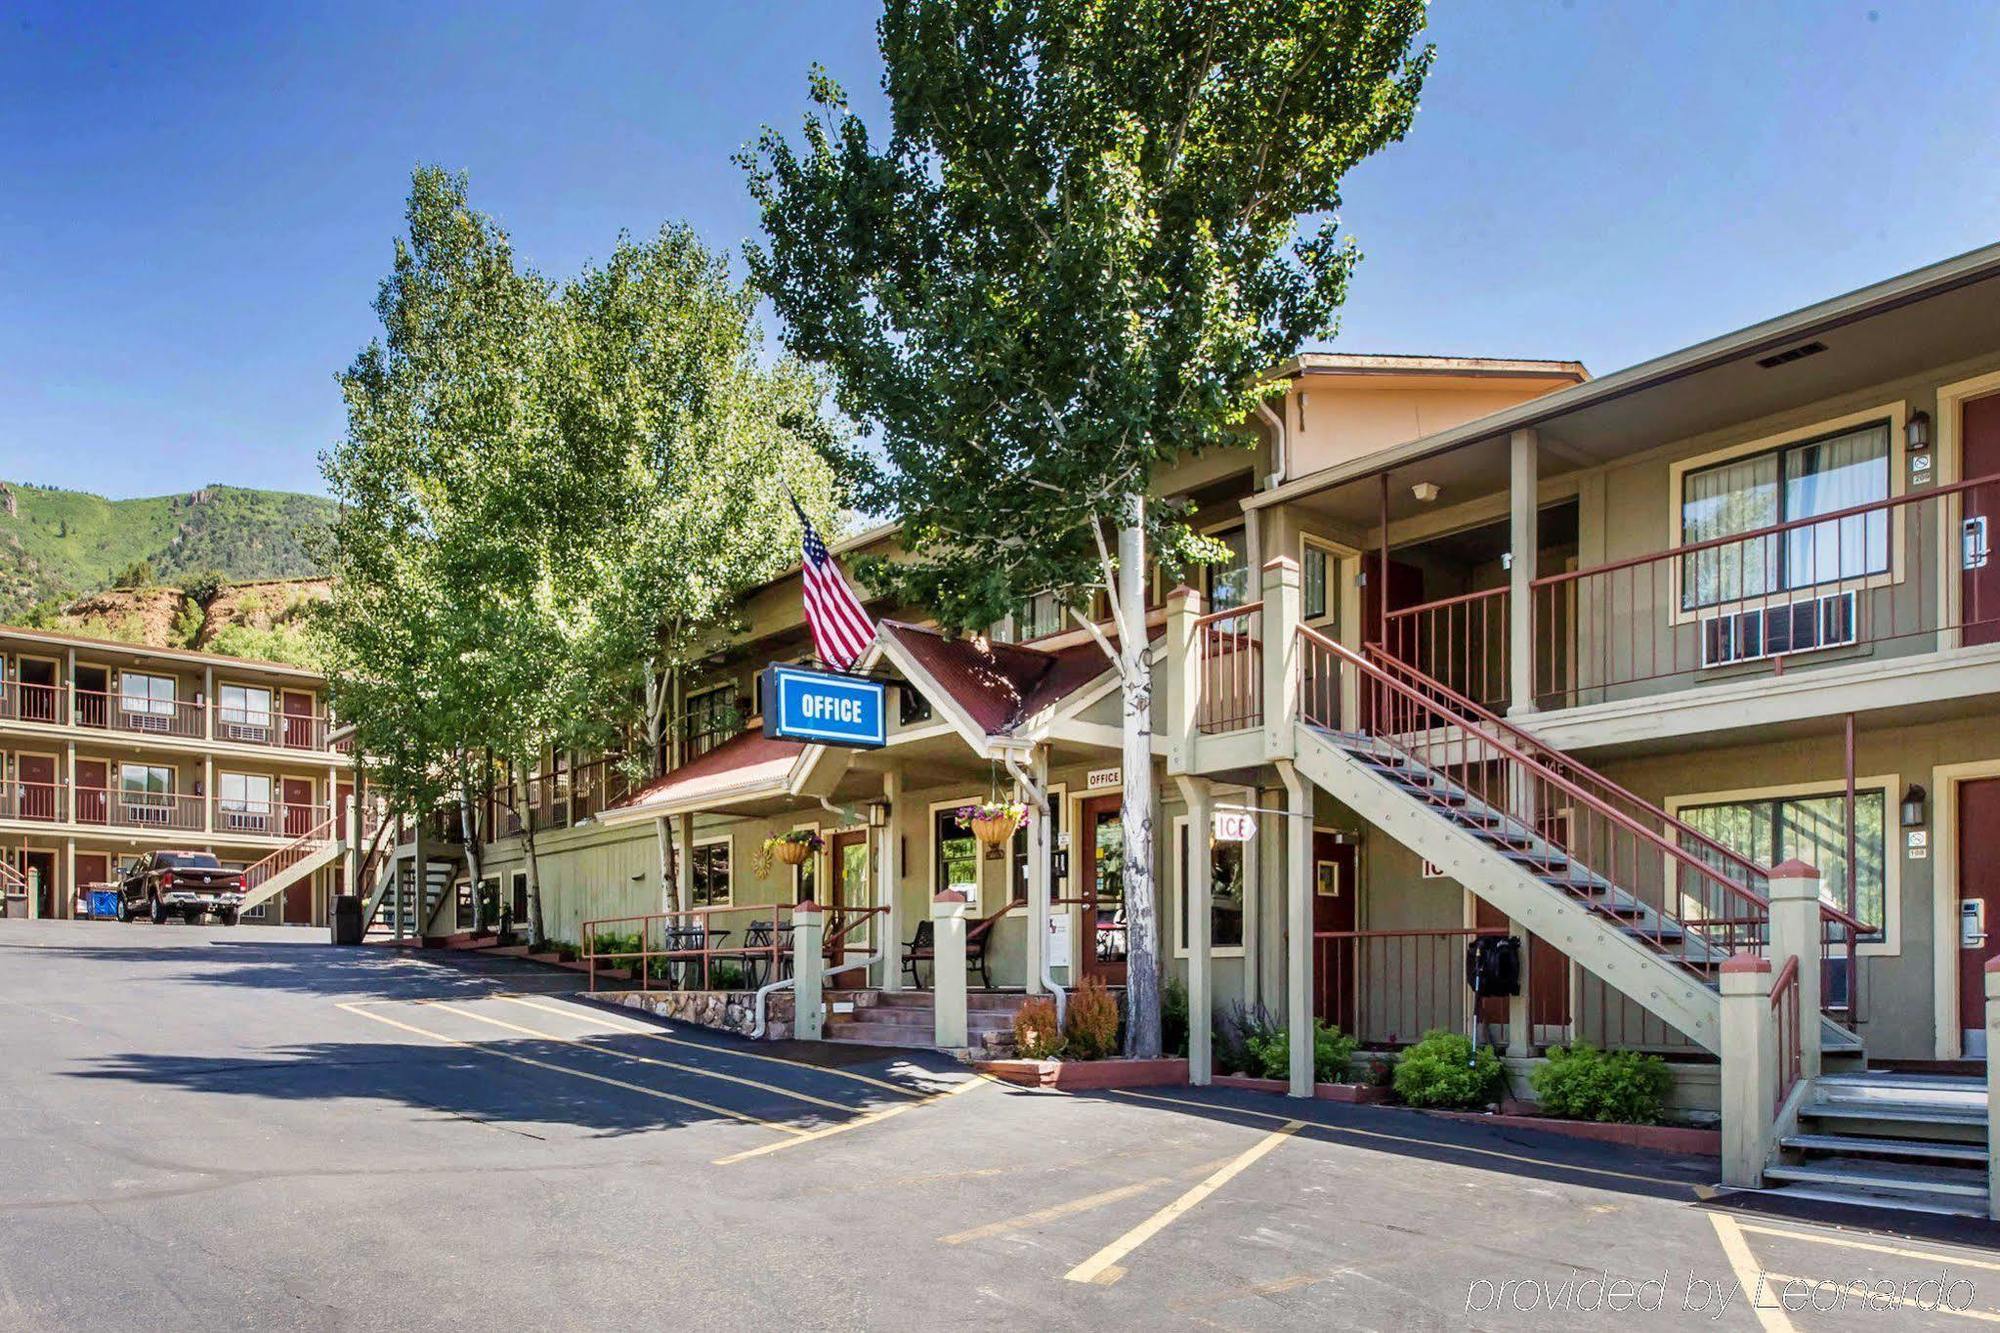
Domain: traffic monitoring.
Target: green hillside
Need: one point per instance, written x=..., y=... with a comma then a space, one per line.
x=56, y=545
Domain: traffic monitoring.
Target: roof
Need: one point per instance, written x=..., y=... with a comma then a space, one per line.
x=189, y=655
x=744, y=765
x=1397, y=363
x=998, y=685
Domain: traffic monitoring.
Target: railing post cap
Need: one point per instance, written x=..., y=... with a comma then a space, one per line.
x=1794, y=869
x=947, y=896
x=807, y=908
x=1181, y=592
x=1993, y=979
x=1282, y=564
x=1738, y=963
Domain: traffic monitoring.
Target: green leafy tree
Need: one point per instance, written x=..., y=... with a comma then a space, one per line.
x=1086, y=232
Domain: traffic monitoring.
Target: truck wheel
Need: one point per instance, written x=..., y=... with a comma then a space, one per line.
x=124, y=910
x=156, y=911
x=227, y=916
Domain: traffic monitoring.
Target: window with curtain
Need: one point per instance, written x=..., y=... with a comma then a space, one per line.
x=708, y=873
x=1225, y=919
x=1037, y=617
x=1316, y=584
x=710, y=718
x=149, y=696
x=1019, y=854
x=244, y=794
x=244, y=705
x=1796, y=482
x=1812, y=829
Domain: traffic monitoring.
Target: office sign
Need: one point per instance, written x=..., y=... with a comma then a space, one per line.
x=825, y=708
x=1234, y=826
x=1101, y=779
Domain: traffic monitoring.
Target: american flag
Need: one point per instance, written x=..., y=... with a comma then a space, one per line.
x=841, y=630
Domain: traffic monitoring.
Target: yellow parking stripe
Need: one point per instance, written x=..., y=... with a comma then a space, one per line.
x=1402, y=1138
x=858, y=1122
x=655, y=1035
x=485, y=1049
x=1102, y=1267
x=1082, y=1205
x=643, y=1059
x=1750, y=1277
x=1774, y=1283
x=1900, y=1252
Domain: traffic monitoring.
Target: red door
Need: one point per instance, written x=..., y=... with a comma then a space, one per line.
x=298, y=795
x=298, y=708
x=93, y=870
x=93, y=780
x=1335, y=891
x=1102, y=888
x=849, y=889
x=299, y=903
x=1978, y=925
x=35, y=785
x=1979, y=583
x=1405, y=588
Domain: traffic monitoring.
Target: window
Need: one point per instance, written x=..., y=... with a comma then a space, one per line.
x=1019, y=858
x=1812, y=829
x=146, y=791
x=1797, y=481
x=709, y=719
x=146, y=696
x=1225, y=920
x=955, y=853
x=708, y=873
x=244, y=799
x=1038, y=617
x=1228, y=579
x=1319, y=590
x=243, y=705
x=520, y=895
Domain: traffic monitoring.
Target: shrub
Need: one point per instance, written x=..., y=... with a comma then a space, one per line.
x=1234, y=1031
x=606, y=942
x=1036, y=1036
x=1333, y=1051
x=1090, y=1027
x=1581, y=1082
x=1174, y=1018
x=204, y=587
x=1444, y=1070
x=726, y=976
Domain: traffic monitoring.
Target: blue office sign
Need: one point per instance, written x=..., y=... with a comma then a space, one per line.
x=825, y=708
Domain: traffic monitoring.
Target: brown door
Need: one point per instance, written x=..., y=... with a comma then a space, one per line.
x=1405, y=588
x=1979, y=552
x=298, y=709
x=298, y=795
x=1102, y=888
x=35, y=776
x=93, y=781
x=38, y=690
x=1335, y=889
x=93, y=870
x=1978, y=924
x=40, y=870
x=848, y=890
x=299, y=903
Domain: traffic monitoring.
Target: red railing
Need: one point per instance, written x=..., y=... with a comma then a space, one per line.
x=142, y=810
x=1390, y=987
x=1785, y=1013
x=1898, y=573
x=23, y=701
x=1231, y=645
x=264, y=726
x=682, y=948
x=142, y=716
x=1462, y=641
x=41, y=802
x=278, y=862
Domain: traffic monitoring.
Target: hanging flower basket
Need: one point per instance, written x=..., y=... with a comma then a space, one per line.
x=791, y=848
x=993, y=822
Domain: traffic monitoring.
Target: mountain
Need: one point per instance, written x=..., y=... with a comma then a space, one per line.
x=57, y=545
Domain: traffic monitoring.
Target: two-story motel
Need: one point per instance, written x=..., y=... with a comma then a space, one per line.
x=109, y=750
x=1500, y=647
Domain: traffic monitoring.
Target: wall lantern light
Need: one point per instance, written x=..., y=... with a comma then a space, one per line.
x=1914, y=801
x=1425, y=491
x=1917, y=431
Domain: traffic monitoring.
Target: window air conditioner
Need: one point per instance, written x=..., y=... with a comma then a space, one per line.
x=1804, y=626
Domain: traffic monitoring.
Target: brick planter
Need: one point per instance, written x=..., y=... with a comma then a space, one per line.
x=1656, y=1138
x=1326, y=1092
x=1086, y=1075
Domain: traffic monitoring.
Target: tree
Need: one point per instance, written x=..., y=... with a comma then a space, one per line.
x=1088, y=231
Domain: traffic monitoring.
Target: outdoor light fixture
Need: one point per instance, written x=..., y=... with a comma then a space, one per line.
x=1426, y=491
x=1913, y=806
x=1917, y=433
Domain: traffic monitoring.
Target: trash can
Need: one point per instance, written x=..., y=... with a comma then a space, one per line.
x=346, y=919
x=104, y=904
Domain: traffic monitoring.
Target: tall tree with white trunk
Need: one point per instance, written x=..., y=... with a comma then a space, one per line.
x=1088, y=229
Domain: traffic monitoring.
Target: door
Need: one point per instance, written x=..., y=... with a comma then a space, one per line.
x=35, y=786
x=93, y=870
x=1335, y=888
x=298, y=795
x=1978, y=905
x=298, y=910
x=40, y=869
x=93, y=785
x=1979, y=579
x=93, y=686
x=1405, y=588
x=298, y=708
x=1102, y=889
x=848, y=890
x=38, y=690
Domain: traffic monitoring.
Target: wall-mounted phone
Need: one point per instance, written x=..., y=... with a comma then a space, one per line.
x=1971, y=923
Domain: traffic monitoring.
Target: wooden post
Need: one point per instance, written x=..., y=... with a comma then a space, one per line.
x=892, y=920
x=1795, y=933
x=1520, y=1027
x=1196, y=893
x=1525, y=542
x=1281, y=616
x=1039, y=849
x=808, y=973
x=1184, y=667
x=1298, y=927
x=1992, y=1088
x=1749, y=1069
x=948, y=912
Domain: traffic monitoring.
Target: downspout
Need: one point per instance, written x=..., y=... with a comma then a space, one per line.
x=1280, y=445
x=1040, y=798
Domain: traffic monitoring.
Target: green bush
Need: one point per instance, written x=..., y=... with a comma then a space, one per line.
x=1333, y=1052
x=1444, y=1070
x=1580, y=1082
x=1235, y=1029
x=1174, y=1018
x=606, y=942
x=726, y=976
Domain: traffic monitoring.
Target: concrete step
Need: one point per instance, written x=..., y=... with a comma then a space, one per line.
x=1862, y=1146
x=1863, y=1198
x=1920, y=1182
x=1914, y=1113
x=926, y=1001
x=1885, y=1086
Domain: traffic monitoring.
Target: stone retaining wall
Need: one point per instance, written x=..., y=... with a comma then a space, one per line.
x=726, y=1011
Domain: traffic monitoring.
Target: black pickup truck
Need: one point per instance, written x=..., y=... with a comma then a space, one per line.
x=184, y=884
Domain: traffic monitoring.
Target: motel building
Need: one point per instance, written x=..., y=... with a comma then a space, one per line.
x=1687, y=676
x=109, y=751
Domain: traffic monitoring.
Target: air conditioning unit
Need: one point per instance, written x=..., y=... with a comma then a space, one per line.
x=243, y=731
x=147, y=814
x=145, y=722
x=1804, y=626
x=245, y=821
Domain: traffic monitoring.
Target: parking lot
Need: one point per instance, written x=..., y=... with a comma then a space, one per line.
x=203, y=1128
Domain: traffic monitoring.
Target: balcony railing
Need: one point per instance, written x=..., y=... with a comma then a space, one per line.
x=1461, y=641
x=1231, y=645
x=1390, y=987
x=43, y=802
x=25, y=702
x=99, y=710
x=141, y=810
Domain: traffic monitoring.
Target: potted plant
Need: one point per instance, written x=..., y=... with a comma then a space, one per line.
x=993, y=822
x=791, y=847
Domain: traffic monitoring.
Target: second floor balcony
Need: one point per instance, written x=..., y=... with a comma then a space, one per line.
x=63, y=803
x=142, y=713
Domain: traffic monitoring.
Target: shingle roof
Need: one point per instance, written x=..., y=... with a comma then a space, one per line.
x=740, y=765
x=999, y=685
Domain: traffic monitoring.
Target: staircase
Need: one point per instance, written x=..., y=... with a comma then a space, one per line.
x=1888, y=1140
x=291, y=863
x=397, y=908
x=908, y=1018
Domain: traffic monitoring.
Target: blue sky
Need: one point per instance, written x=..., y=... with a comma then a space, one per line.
x=196, y=202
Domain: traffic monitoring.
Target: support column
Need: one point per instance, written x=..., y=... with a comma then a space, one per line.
x=1196, y=895
x=1184, y=668
x=208, y=703
x=66, y=904
x=1282, y=602
x=1520, y=1028
x=1039, y=850
x=808, y=972
x=1992, y=1089
x=948, y=911
x=352, y=859
x=892, y=920
x=1795, y=932
x=208, y=795
x=1298, y=927
x=684, y=862
x=1524, y=487
x=1749, y=1069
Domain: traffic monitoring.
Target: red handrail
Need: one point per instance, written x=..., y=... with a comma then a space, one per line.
x=1785, y=1013
x=289, y=855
